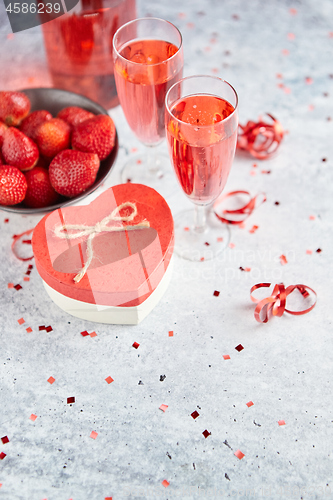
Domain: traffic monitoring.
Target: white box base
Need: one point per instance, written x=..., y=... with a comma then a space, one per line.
x=111, y=314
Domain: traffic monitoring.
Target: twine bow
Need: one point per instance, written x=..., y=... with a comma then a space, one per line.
x=80, y=230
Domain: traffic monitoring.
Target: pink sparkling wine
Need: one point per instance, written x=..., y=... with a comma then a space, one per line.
x=202, y=143
x=144, y=73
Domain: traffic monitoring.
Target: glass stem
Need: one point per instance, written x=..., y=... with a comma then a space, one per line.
x=199, y=219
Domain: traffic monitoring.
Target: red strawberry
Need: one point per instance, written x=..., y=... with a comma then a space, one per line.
x=72, y=172
x=73, y=115
x=13, y=185
x=52, y=137
x=40, y=193
x=96, y=135
x=30, y=124
x=18, y=150
x=14, y=106
x=3, y=128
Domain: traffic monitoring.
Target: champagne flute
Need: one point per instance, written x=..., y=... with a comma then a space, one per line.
x=201, y=126
x=148, y=60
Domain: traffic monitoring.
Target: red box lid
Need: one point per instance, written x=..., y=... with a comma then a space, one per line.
x=126, y=264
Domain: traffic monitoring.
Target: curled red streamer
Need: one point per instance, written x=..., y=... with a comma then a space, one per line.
x=16, y=238
x=260, y=139
x=241, y=213
x=275, y=304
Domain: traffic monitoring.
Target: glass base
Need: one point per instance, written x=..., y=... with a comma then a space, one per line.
x=154, y=171
x=200, y=246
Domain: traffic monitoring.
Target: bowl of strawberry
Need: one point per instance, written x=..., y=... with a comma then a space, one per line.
x=56, y=147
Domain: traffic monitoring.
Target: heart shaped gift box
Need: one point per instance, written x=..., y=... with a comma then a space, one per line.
x=108, y=261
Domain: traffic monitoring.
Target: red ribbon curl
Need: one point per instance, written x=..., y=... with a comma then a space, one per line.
x=241, y=213
x=275, y=304
x=16, y=238
x=260, y=139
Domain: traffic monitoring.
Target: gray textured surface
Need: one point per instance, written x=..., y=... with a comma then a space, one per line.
x=286, y=365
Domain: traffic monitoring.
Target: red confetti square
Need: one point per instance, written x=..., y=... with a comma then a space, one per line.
x=93, y=435
x=93, y=334
x=281, y=422
x=216, y=293
x=21, y=321
x=309, y=252
x=17, y=287
x=135, y=345
x=249, y=404
x=71, y=400
x=283, y=260
x=165, y=483
x=312, y=217
x=2, y=455
x=319, y=250
x=226, y=356
x=49, y=329
x=239, y=454
x=206, y=433
x=51, y=380
x=109, y=380
x=26, y=278
x=253, y=229
x=33, y=417
x=5, y=440
x=10, y=285
x=195, y=414
x=109, y=498
x=231, y=245
x=202, y=259
x=239, y=347
x=186, y=228
x=220, y=239
x=85, y=333
x=29, y=329
x=6, y=221
x=30, y=266
x=171, y=333
x=42, y=327
x=163, y=407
